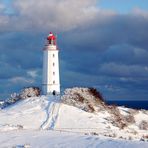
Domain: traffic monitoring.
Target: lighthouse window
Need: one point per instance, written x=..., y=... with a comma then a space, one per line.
x=53, y=64
x=53, y=55
x=53, y=73
x=53, y=82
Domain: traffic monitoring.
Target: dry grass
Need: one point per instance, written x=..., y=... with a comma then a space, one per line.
x=143, y=125
x=87, y=99
x=129, y=119
x=118, y=119
x=145, y=137
x=98, y=96
x=29, y=92
x=90, y=100
x=78, y=97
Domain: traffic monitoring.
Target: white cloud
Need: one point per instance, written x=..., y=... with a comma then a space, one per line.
x=54, y=14
x=17, y=80
x=118, y=70
x=32, y=73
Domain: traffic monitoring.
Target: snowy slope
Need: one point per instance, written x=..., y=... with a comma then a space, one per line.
x=54, y=139
x=39, y=115
x=31, y=113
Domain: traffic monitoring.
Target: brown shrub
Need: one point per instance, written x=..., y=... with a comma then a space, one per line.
x=143, y=125
x=91, y=109
x=118, y=119
x=78, y=97
x=96, y=94
x=130, y=138
x=145, y=136
x=112, y=108
x=129, y=119
x=29, y=92
x=94, y=133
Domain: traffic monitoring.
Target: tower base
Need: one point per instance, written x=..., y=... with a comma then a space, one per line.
x=51, y=89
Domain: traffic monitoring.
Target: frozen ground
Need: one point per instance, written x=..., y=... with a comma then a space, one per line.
x=56, y=139
x=44, y=121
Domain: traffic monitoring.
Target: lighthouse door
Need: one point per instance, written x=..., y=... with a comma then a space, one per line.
x=54, y=92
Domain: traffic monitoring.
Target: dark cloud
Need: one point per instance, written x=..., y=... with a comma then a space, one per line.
x=114, y=53
x=126, y=54
x=99, y=49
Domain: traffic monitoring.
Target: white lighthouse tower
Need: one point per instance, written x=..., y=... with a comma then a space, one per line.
x=51, y=80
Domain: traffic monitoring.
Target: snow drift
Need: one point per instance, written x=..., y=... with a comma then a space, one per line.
x=79, y=110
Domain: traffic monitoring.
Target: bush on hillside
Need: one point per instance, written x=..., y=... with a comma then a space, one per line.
x=129, y=119
x=143, y=125
x=118, y=119
x=98, y=96
x=29, y=92
x=87, y=99
x=25, y=93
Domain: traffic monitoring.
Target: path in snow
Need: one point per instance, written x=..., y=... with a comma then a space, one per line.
x=52, y=112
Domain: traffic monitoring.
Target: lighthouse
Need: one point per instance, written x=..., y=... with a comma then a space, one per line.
x=51, y=80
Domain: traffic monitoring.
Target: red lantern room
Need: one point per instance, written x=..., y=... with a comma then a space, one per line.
x=51, y=39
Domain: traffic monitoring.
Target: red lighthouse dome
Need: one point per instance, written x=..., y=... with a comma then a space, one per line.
x=51, y=38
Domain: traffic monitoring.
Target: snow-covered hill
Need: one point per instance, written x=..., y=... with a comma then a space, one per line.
x=40, y=115
x=56, y=139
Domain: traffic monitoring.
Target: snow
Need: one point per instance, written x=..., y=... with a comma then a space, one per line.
x=1, y=103
x=46, y=122
x=141, y=116
x=123, y=111
x=55, y=139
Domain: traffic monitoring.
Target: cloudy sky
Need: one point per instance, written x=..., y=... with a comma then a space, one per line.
x=103, y=44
